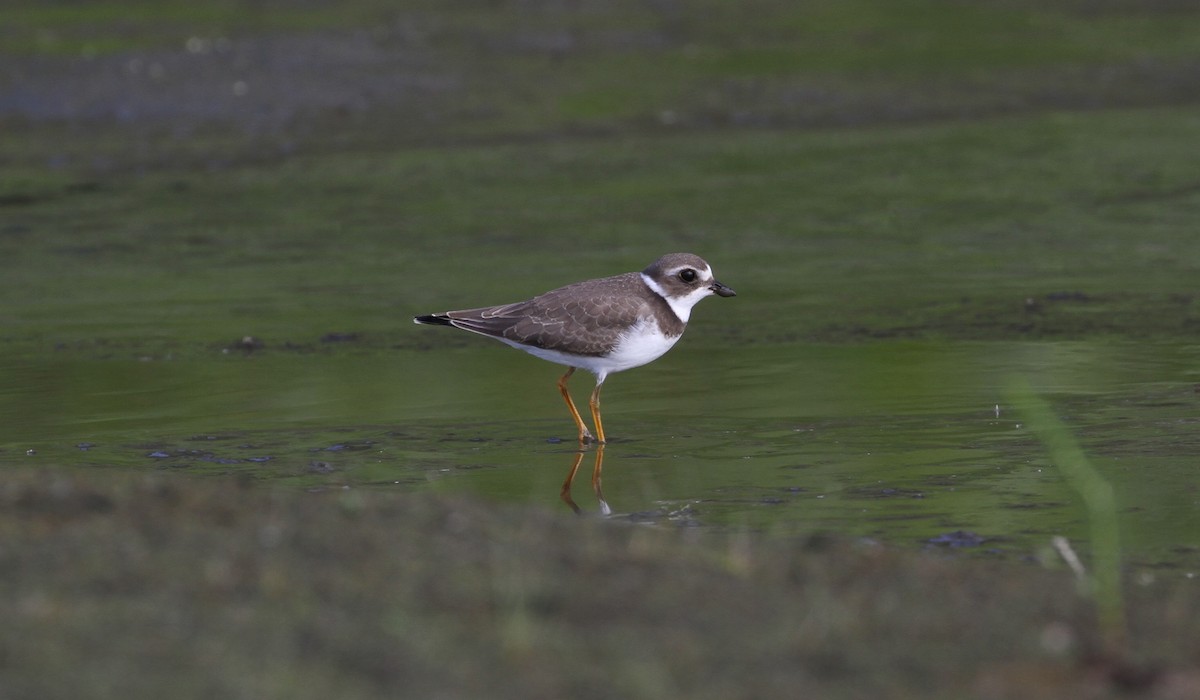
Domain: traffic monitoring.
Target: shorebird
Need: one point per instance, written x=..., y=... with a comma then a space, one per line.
x=602, y=325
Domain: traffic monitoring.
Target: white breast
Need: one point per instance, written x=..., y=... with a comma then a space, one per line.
x=642, y=343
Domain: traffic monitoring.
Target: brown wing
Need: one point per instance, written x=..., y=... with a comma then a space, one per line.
x=586, y=318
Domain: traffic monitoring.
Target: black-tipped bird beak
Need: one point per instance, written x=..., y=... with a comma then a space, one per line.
x=721, y=290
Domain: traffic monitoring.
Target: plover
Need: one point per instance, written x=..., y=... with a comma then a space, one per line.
x=603, y=325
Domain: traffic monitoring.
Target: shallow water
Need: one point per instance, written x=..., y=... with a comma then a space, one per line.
x=897, y=441
x=122, y=290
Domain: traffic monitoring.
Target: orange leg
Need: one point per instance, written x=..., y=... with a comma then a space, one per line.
x=595, y=404
x=565, y=493
x=604, y=509
x=585, y=436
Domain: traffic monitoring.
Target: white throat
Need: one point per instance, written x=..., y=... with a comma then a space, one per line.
x=682, y=306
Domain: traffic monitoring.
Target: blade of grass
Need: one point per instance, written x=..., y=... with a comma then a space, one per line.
x=1098, y=500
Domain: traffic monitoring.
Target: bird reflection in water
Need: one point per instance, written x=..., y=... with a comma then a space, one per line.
x=565, y=494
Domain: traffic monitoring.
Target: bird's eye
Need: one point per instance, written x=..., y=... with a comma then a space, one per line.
x=688, y=275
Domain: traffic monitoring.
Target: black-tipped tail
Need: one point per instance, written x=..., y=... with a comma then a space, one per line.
x=433, y=320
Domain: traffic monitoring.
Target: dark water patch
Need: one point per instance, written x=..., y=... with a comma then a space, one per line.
x=337, y=337
x=214, y=438
x=958, y=538
x=22, y=199
x=871, y=492
x=1032, y=504
x=246, y=344
x=343, y=447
